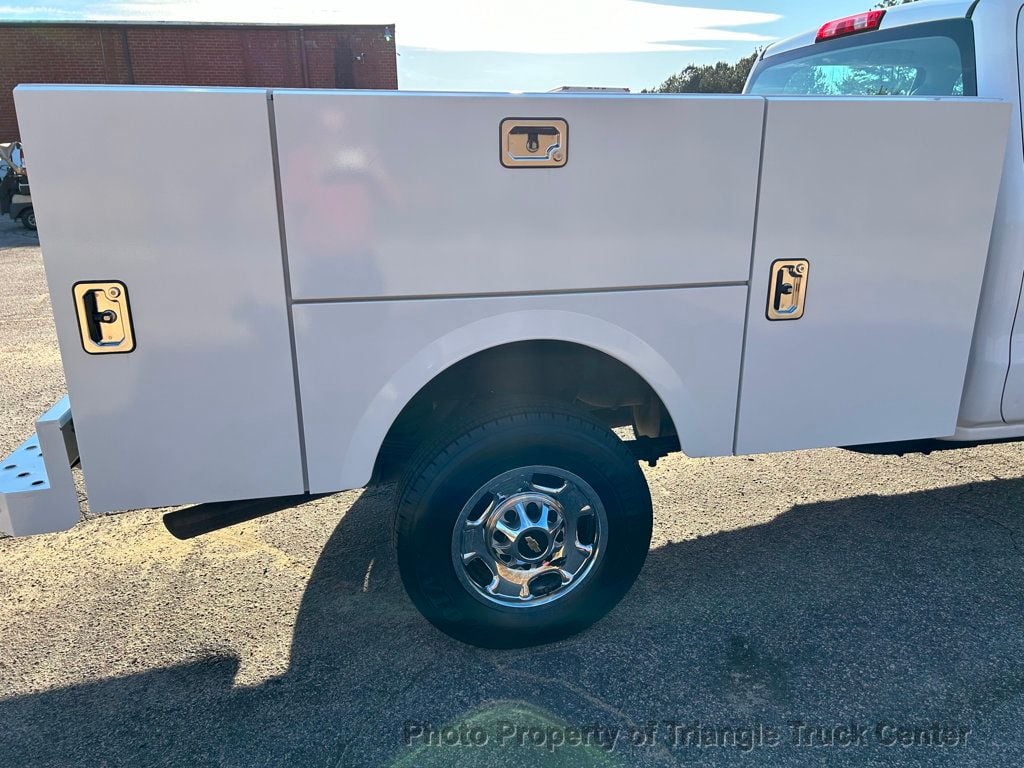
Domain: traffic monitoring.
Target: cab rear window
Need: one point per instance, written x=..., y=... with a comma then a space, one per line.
x=933, y=59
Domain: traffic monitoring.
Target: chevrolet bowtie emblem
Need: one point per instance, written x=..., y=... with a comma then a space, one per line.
x=532, y=544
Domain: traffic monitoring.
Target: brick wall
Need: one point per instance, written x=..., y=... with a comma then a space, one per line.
x=199, y=54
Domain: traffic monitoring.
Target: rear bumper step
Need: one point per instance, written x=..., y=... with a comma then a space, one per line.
x=37, y=490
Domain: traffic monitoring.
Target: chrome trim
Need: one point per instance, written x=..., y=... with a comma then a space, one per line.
x=522, y=541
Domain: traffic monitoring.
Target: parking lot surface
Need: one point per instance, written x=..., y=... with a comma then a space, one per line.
x=797, y=609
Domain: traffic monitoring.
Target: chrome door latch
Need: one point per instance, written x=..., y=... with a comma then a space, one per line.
x=104, y=317
x=534, y=143
x=787, y=289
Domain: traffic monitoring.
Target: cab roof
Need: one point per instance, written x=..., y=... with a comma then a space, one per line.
x=899, y=16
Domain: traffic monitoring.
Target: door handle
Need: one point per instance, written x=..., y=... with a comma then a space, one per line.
x=533, y=134
x=788, y=289
x=534, y=143
x=104, y=317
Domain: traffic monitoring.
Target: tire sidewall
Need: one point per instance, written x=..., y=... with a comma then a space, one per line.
x=426, y=525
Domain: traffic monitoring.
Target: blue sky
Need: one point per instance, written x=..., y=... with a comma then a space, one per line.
x=531, y=45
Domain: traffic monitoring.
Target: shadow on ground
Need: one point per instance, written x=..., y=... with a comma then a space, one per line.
x=905, y=609
x=12, y=233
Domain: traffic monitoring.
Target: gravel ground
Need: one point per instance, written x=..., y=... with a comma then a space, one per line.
x=875, y=599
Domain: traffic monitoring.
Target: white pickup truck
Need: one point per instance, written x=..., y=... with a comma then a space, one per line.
x=472, y=292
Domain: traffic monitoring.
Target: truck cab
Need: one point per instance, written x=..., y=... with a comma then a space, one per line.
x=937, y=48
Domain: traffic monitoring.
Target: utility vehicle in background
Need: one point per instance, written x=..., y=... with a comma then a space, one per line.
x=15, y=195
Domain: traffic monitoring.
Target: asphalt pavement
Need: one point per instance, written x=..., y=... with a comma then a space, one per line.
x=813, y=608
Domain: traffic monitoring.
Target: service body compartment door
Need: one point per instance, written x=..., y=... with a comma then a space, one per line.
x=171, y=194
x=890, y=202
x=410, y=195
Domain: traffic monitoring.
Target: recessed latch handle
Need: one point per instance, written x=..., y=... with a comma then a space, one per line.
x=534, y=143
x=788, y=289
x=104, y=317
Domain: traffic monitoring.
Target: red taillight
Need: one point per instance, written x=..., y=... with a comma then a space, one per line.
x=851, y=25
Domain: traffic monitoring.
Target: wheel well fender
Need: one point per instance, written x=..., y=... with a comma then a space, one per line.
x=499, y=330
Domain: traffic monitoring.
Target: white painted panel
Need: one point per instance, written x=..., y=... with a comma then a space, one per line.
x=403, y=194
x=892, y=203
x=361, y=362
x=171, y=192
x=1002, y=288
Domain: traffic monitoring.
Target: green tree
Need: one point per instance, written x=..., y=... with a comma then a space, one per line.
x=722, y=77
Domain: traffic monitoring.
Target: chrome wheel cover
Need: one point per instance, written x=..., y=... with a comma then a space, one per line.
x=529, y=537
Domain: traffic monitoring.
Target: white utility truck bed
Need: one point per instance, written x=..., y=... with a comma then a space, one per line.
x=475, y=289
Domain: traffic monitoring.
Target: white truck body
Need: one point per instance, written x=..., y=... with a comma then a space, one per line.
x=335, y=254
x=273, y=354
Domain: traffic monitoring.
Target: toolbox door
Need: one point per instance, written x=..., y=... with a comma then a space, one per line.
x=871, y=241
x=158, y=223
x=409, y=195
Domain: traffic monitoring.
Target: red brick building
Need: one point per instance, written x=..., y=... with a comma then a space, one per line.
x=261, y=55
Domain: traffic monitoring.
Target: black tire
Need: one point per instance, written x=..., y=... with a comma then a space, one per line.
x=446, y=473
x=28, y=219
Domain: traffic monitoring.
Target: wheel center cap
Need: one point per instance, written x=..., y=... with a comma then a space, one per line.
x=533, y=544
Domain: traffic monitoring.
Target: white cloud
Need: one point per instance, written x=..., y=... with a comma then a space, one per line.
x=510, y=26
x=30, y=12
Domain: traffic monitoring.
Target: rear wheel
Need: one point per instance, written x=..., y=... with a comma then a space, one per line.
x=28, y=219
x=522, y=524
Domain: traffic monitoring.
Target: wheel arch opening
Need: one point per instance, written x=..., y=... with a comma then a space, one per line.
x=569, y=372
